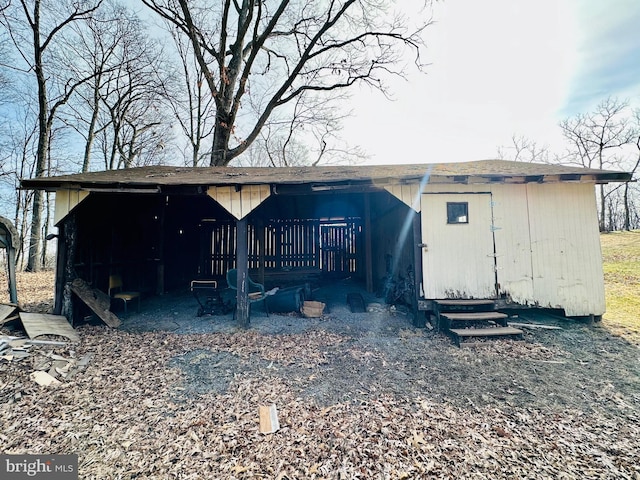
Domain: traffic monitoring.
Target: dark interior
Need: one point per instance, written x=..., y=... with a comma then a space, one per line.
x=159, y=243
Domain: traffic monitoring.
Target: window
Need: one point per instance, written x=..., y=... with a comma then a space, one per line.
x=457, y=212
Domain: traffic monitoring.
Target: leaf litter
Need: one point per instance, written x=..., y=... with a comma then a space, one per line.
x=393, y=403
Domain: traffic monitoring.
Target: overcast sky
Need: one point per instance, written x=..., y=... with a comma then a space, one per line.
x=499, y=68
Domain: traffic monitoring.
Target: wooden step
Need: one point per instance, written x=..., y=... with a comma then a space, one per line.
x=467, y=333
x=474, y=316
x=485, y=332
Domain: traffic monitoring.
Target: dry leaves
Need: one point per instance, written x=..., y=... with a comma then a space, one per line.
x=127, y=416
x=386, y=405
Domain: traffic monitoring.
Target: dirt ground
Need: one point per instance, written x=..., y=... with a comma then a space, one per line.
x=359, y=395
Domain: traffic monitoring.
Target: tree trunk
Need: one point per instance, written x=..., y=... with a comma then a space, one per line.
x=220, y=148
x=91, y=134
x=33, y=262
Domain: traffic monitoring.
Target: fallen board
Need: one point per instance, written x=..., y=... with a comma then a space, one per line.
x=6, y=311
x=98, y=301
x=36, y=324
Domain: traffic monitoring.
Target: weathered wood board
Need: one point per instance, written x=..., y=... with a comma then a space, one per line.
x=6, y=311
x=485, y=332
x=36, y=324
x=98, y=301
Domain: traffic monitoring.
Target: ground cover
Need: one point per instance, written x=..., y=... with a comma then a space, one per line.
x=358, y=396
x=621, y=263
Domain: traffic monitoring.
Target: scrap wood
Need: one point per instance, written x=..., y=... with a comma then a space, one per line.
x=7, y=309
x=8, y=313
x=43, y=378
x=269, y=422
x=36, y=324
x=98, y=301
x=534, y=326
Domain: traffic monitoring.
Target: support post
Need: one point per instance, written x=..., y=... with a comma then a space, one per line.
x=368, y=253
x=67, y=241
x=160, y=253
x=242, y=267
x=418, y=317
x=8, y=239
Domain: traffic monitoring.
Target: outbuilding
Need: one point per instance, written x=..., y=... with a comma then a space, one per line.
x=523, y=234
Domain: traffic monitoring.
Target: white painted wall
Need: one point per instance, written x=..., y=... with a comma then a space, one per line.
x=547, y=245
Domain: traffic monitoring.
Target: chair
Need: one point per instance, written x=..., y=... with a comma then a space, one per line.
x=116, y=291
x=256, y=292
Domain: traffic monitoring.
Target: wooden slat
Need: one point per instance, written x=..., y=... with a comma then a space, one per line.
x=473, y=316
x=485, y=332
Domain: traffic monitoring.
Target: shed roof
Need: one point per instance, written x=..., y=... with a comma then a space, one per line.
x=157, y=177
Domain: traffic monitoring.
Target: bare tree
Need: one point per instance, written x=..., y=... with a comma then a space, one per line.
x=194, y=109
x=306, y=132
x=596, y=137
x=629, y=209
x=279, y=50
x=139, y=125
x=34, y=34
x=523, y=149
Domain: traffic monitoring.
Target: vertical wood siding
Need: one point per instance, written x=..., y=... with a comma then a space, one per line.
x=458, y=260
x=288, y=244
x=513, y=244
x=565, y=246
x=547, y=247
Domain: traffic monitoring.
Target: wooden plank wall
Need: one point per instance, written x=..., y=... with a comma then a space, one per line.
x=288, y=244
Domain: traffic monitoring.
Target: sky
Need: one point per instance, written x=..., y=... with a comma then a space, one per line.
x=500, y=68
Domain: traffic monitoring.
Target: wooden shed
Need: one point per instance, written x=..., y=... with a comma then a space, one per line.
x=522, y=233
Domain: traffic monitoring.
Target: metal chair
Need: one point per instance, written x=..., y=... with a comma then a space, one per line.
x=256, y=292
x=116, y=291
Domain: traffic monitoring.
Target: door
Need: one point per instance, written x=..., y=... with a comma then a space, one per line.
x=458, y=253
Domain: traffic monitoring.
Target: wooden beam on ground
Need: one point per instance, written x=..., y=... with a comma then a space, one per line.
x=98, y=301
x=534, y=326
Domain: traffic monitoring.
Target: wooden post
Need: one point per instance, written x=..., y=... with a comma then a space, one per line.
x=8, y=239
x=368, y=254
x=242, y=267
x=160, y=253
x=418, y=317
x=61, y=265
x=67, y=242
x=11, y=268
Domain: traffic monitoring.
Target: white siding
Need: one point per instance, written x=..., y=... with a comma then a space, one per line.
x=240, y=203
x=458, y=260
x=547, y=247
x=409, y=194
x=67, y=200
x=565, y=246
x=513, y=246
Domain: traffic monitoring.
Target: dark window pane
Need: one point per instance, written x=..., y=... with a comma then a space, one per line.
x=457, y=212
